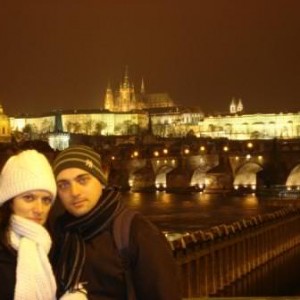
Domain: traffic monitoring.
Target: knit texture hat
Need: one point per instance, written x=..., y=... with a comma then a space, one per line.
x=29, y=170
x=82, y=157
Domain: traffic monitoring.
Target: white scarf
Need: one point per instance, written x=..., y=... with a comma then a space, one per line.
x=34, y=275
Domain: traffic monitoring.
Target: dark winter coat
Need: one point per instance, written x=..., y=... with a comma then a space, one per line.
x=8, y=265
x=154, y=271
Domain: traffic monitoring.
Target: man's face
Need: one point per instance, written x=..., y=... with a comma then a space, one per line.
x=78, y=190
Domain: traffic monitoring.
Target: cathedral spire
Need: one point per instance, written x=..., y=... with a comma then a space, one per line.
x=108, y=88
x=240, y=106
x=126, y=78
x=109, y=99
x=232, y=107
x=143, y=87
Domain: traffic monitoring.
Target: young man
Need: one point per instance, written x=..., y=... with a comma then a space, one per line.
x=87, y=257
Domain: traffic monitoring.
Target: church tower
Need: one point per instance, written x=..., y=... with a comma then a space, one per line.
x=109, y=99
x=232, y=107
x=240, y=106
x=143, y=87
x=126, y=99
x=236, y=106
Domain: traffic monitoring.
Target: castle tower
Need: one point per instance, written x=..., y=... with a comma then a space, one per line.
x=232, y=107
x=126, y=98
x=240, y=106
x=109, y=99
x=142, y=87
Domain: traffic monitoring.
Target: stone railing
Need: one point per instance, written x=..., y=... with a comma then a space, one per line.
x=211, y=260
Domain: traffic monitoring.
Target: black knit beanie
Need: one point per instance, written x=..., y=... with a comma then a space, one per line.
x=82, y=157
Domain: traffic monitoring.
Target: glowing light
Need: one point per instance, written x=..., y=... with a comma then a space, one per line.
x=225, y=148
x=156, y=153
x=165, y=151
x=248, y=156
x=186, y=151
x=202, y=148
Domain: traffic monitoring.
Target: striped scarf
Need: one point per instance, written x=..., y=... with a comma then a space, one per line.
x=34, y=276
x=77, y=230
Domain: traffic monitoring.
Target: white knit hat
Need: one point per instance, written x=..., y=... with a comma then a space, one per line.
x=26, y=171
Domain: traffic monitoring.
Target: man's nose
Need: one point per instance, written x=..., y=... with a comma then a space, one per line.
x=75, y=190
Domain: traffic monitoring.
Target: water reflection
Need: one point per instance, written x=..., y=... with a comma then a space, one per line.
x=179, y=213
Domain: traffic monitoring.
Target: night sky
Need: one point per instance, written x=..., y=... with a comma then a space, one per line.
x=61, y=54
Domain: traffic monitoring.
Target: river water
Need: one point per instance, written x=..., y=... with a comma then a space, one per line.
x=190, y=212
x=180, y=213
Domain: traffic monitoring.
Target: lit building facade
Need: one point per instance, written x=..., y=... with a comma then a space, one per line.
x=5, y=132
x=176, y=123
x=84, y=122
x=251, y=126
x=165, y=124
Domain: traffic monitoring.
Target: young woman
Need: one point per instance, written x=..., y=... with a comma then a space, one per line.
x=27, y=192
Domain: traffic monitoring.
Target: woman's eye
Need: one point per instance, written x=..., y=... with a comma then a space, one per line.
x=28, y=197
x=47, y=200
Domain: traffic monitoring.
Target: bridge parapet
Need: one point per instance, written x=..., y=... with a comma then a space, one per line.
x=211, y=260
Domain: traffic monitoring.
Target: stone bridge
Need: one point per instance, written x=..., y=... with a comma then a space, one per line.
x=227, y=168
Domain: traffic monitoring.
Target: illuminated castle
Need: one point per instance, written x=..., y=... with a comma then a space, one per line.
x=127, y=99
x=129, y=112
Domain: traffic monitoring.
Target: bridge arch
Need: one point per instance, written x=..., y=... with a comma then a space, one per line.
x=293, y=178
x=161, y=176
x=246, y=175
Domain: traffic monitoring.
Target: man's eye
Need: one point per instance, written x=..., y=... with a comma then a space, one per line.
x=62, y=185
x=83, y=180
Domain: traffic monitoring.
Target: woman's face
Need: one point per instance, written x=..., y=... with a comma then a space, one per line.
x=33, y=205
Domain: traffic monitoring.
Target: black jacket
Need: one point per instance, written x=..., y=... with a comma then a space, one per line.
x=8, y=265
x=154, y=271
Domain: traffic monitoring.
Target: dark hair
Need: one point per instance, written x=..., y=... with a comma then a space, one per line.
x=5, y=215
